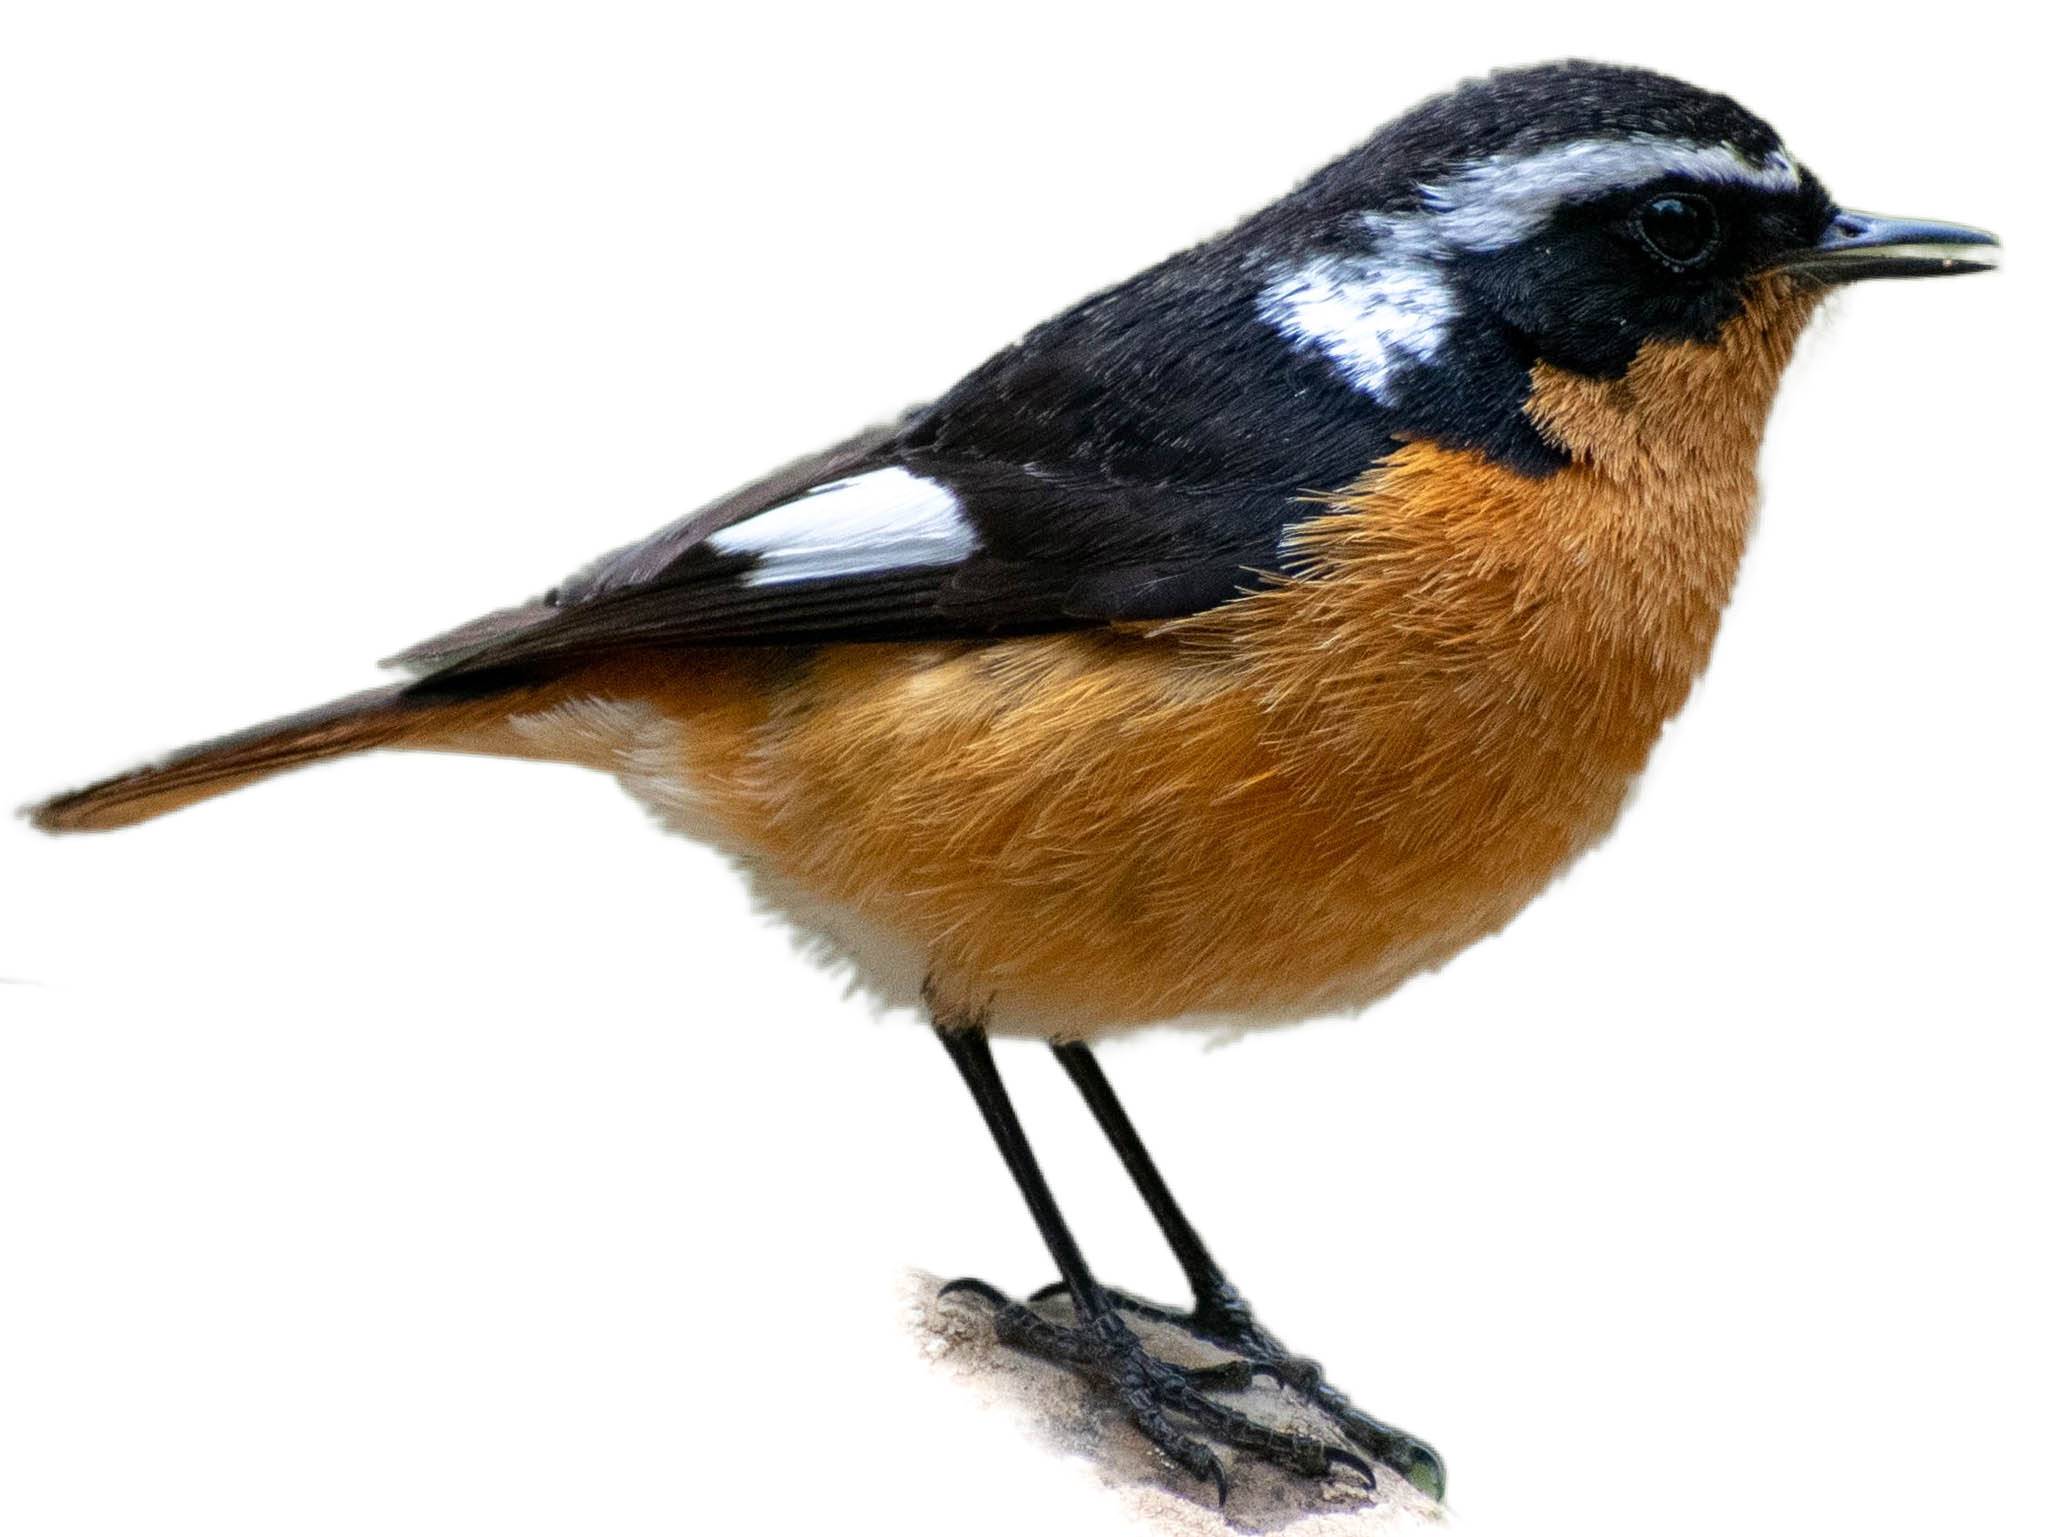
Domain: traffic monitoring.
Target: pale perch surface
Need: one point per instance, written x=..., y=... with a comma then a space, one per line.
x=1078, y=1420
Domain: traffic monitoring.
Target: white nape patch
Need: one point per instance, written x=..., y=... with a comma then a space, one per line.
x=1387, y=310
x=1370, y=316
x=885, y=520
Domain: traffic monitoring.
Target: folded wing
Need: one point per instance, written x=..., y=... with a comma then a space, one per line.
x=1139, y=457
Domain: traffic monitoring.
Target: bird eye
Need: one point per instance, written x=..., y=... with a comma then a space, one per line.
x=1678, y=228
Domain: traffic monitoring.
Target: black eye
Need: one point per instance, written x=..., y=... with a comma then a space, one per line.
x=1678, y=228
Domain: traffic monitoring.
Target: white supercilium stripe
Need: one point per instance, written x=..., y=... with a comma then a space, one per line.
x=1491, y=204
x=884, y=520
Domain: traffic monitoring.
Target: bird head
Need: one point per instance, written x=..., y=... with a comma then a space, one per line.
x=1568, y=217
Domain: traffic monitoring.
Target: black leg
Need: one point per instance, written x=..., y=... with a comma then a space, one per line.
x=1102, y=1344
x=1215, y=1298
x=969, y=1047
x=1220, y=1314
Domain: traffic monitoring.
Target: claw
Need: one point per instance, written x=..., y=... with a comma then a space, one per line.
x=1424, y=1469
x=1216, y=1469
x=975, y=1287
x=1416, y=1461
x=1352, y=1460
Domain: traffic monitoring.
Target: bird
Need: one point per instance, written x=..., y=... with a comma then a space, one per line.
x=1249, y=637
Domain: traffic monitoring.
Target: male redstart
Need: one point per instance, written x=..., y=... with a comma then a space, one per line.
x=1249, y=637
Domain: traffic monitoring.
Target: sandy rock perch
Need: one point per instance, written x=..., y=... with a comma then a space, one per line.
x=1075, y=1419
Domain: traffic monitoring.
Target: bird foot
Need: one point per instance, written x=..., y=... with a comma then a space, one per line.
x=1224, y=1319
x=1155, y=1393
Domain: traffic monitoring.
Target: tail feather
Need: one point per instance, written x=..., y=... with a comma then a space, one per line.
x=381, y=717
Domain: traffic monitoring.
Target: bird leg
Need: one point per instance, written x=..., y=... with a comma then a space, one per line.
x=1100, y=1344
x=1220, y=1315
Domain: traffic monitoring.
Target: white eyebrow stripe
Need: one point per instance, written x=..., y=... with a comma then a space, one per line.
x=884, y=520
x=1491, y=204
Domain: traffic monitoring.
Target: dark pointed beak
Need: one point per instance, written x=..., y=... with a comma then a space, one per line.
x=1868, y=245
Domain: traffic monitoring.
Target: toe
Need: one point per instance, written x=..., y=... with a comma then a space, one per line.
x=1227, y=1376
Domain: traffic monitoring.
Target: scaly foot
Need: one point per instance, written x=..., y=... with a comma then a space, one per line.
x=1225, y=1320
x=1154, y=1391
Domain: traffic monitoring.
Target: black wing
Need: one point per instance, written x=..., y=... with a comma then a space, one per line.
x=1139, y=457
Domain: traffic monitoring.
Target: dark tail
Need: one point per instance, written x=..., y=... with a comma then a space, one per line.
x=382, y=717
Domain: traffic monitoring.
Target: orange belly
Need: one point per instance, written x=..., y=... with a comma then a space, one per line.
x=1082, y=834
x=1079, y=836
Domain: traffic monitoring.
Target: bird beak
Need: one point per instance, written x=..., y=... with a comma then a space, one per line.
x=1868, y=245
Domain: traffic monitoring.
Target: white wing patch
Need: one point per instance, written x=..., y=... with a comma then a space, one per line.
x=884, y=520
x=1381, y=313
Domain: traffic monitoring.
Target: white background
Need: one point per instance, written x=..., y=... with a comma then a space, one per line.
x=426, y=1146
